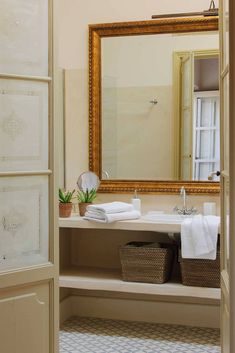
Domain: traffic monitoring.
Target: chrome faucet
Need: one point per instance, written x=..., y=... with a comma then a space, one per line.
x=184, y=210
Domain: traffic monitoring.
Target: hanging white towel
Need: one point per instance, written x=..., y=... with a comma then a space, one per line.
x=111, y=207
x=103, y=217
x=199, y=237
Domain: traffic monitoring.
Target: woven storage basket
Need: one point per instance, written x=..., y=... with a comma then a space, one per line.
x=145, y=264
x=200, y=273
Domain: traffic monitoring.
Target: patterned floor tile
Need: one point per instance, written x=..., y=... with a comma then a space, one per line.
x=92, y=335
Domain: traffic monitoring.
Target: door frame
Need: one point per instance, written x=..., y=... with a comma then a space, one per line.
x=232, y=169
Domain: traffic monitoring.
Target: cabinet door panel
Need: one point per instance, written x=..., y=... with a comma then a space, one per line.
x=23, y=221
x=24, y=37
x=24, y=320
x=23, y=125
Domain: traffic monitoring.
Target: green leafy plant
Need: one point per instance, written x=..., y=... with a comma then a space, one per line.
x=87, y=196
x=65, y=196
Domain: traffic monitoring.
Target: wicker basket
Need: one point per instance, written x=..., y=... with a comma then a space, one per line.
x=200, y=273
x=149, y=264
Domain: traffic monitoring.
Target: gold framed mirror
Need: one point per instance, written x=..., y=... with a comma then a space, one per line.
x=150, y=129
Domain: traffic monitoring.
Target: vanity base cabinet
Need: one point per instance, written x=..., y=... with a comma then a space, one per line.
x=91, y=283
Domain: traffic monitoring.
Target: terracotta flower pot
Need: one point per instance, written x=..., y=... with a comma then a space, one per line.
x=65, y=209
x=82, y=207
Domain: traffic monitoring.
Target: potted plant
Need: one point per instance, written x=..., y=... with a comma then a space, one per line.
x=65, y=203
x=85, y=198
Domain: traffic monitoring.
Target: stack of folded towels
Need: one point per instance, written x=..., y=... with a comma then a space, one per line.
x=111, y=212
x=199, y=237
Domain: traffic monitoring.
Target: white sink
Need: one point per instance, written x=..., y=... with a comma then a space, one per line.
x=165, y=218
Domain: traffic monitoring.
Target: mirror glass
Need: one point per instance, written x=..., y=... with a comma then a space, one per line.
x=160, y=106
x=88, y=181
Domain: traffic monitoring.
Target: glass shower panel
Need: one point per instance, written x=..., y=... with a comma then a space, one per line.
x=23, y=22
x=23, y=125
x=24, y=221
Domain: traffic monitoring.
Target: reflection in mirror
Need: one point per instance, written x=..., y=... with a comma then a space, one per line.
x=88, y=181
x=160, y=106
x=199, y=148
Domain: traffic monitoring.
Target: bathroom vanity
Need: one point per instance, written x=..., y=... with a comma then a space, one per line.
x=91, y=282
x=143, y=125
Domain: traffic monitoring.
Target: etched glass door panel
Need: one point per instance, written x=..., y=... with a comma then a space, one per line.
x=23, y=125
x=23, y=221
x=24, y=37
x=28, y=217
x=225, y=40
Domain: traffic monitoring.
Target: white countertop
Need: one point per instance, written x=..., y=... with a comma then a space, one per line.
x=76, y=221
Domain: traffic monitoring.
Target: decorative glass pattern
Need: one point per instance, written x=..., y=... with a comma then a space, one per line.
x=23, y=221
x=225, y=50
x=24, y=37
x=23, y=125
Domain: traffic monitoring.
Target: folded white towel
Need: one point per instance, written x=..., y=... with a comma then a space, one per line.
x=103, y=217
x=199, y=237
x=111, y=207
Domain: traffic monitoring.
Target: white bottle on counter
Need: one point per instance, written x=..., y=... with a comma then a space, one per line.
x=136, y=202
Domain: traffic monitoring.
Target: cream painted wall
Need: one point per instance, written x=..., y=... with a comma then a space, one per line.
x=77, y=14
x=73, y=56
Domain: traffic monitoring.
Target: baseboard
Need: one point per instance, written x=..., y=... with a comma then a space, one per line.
x=65, y=309
x=139, y=310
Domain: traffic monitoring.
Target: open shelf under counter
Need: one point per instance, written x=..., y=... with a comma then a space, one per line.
x=139, y=224
x=93, y=279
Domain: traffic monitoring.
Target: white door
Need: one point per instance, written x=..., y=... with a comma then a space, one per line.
x=227, y=188
x=28, y=217
x=206, y=135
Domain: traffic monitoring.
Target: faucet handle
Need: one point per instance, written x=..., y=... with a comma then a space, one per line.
x=193, y=211
x=185, y=211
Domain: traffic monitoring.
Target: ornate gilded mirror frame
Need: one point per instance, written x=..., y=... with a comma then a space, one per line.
x=96, y=33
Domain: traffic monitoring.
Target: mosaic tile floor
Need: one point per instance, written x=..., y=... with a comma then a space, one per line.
x=91, y=335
